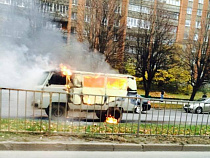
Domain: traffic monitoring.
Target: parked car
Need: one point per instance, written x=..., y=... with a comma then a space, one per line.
x=146, y=105
x=199, y=106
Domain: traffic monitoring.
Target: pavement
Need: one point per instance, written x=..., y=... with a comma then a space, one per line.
x=84, y=146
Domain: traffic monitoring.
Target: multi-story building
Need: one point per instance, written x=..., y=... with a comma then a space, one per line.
x=188, y=16
x=194, y=16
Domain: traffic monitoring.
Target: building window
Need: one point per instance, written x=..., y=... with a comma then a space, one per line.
x=74, y=16
x=87, y=18
x=141, y=9
x=74, y=2
x=189, y=10
x=198, y=24
x=200, y=1
x=118, y=9
x=196, y=37
x=199, y=12
x=187, y=23
x=133, y=22
x=115, y=37
x=73, y=30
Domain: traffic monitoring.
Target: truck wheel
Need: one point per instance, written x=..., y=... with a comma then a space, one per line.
x=101, y=115
x=47, y=111
x=58, y=112
x=116, y=113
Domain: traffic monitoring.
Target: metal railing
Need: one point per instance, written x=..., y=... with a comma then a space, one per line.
x=24, y=111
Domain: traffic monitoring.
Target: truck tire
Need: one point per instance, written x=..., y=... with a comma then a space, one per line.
x=58, y=111
x=101, y=115
x=116, y=113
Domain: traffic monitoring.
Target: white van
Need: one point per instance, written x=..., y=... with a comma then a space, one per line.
x=105, y=94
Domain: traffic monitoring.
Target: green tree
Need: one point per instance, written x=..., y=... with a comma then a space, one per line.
x=154, y=46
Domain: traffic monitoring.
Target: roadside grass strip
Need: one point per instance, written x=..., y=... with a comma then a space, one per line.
x=42, y=126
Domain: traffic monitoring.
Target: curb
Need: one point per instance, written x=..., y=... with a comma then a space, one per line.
x=39, y=146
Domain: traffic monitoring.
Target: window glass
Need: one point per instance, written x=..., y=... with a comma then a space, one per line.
x=57, y=79
x=187, y=23
x=199, y=12
x=43, y=78
x=189, y=10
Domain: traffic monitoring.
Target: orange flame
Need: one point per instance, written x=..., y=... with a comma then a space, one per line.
x=111, y=120
x=66, y=71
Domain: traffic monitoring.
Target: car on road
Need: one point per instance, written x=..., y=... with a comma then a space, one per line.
x=139, y=100
x=199, y=106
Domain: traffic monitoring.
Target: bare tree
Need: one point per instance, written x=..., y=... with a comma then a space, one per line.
x=154, y=43
x=197, y=56
x=104, y=30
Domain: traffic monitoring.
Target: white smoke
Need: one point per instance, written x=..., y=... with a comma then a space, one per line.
x=28, y=47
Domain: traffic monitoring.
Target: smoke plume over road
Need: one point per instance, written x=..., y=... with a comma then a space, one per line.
x=31, y=43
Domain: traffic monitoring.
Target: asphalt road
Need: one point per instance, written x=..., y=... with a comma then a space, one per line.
x=152, y=116
x=161, y=116
x=83, y=154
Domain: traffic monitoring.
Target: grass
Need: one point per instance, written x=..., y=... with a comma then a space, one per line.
x=39, y=126
x=172, y=95
x=163, y=105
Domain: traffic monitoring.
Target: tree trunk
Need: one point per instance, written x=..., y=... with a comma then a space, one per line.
x=193, y=93
x=146, y=93
x=147, y=86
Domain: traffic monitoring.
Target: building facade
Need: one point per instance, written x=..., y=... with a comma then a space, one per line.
x=187, y=16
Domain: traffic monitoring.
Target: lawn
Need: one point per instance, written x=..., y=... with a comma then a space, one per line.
x=171, y=95
x=39, y=126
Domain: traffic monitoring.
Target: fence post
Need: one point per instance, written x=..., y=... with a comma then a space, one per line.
x=139, y=118
x=50, y=113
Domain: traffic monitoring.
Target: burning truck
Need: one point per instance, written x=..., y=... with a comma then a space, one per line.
x=108, y=95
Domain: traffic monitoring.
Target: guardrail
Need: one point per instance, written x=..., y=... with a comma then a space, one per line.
x=19, y=113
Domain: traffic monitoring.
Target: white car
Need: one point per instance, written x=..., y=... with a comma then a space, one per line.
x=199, y=106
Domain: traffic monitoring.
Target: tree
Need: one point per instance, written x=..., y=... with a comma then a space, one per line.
x=154, y=44
x=175, y=79
x=105, y=30
x=197, y=56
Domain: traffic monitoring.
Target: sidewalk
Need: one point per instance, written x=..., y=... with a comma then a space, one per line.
x=29, y=142
x=57, y=146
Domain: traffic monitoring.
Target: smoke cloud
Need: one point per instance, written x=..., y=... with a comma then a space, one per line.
x=30, y=43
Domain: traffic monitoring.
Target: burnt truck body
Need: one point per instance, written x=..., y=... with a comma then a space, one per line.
x=105, y=94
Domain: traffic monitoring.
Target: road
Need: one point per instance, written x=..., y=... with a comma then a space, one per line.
x=82, y=154
x=168, y=116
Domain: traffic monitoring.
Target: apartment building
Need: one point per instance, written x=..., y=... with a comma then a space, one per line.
x=188, y=16
x=194, y=15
